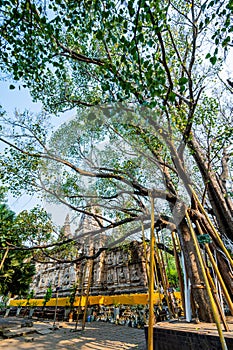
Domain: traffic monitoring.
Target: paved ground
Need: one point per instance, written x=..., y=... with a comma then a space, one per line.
x=202, y=327
x=96, y=336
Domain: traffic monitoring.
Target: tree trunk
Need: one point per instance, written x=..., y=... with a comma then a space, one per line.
x=223, y=263
x=225, y=271
x=221, y=205
x=199, y=291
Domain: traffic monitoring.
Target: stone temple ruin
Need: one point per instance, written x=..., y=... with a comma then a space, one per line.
x=117, y=270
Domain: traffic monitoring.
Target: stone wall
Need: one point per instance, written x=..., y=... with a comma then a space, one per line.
x=56, y=275
x=118, y=270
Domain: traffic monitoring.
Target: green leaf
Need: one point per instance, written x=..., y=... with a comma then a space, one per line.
x=11, y=87
x=150, y=43
x=99, y=35
x=172, y=96
x=213, y=59
x=226, y=41
x=183, y=81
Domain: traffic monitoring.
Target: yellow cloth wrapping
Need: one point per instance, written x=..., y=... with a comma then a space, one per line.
x=124, y=299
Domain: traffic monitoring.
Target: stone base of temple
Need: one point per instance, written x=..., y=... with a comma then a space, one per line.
x=181, y=335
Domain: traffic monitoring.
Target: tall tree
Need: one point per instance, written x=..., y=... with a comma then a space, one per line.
x=101, y=52
x=118, y=177
x=150, y=57
x=19, y=233
x=16, y=270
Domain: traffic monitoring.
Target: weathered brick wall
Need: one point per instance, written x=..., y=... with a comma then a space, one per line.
x=168, y=339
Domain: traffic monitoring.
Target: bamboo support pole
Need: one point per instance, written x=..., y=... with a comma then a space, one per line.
x=207, y=285
x=145, y=253
x=212, y=285
x=163, y=277
x=80, y=299
x=156, y=278
x=55, y=312
x=163, y=268
x=216, y=270
x=78, y=312
x=87, y=295
x=222, y=284
x=177, y=261
x=4, y=257
x=151, y=279
x=215, y=294
x=158, y=259
x=212, y=227
x=185, y=280
x=166, y=285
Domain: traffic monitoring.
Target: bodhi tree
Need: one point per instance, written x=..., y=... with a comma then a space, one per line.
x=100, y=52
x=167, y=133
x=115, y=168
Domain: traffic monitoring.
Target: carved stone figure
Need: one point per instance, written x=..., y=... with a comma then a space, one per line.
x=121, y=276
x=134, y=276
x=120, y=258
x=110, y=276
x=109, y=261
x=116, y=269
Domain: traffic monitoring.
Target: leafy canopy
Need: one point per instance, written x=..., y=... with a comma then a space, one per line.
x=17, y=233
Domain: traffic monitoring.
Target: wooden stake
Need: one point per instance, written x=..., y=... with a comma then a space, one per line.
x=216, y=270
x=207, y=285
x=163, y=277
x=151, y=280
x=156, y=278
x=177, y=261
x=212, y=226
x=4, y=257
x=55, y=312
x=81, y=295
x=217, y=301
x=145, y=254
x=88, y=291
x=212, y=285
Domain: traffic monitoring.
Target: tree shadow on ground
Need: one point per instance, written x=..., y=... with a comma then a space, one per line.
x=96, y=336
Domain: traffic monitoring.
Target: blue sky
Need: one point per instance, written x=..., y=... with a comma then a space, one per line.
x=10, y=100
x=20, y=99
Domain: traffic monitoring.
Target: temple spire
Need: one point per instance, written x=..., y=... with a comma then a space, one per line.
x=66, y=227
